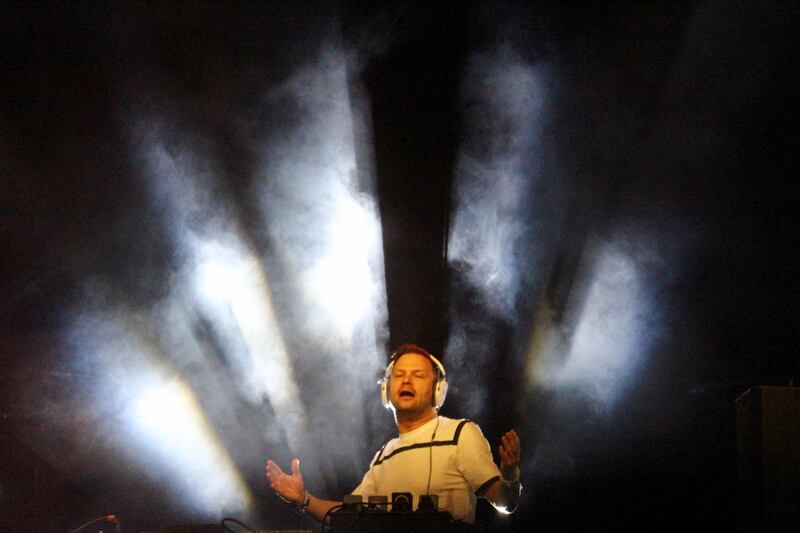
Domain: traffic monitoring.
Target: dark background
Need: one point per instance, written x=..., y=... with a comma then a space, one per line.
x=673, y=116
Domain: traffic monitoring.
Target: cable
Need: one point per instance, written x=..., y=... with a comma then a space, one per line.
x=237, y=522
x=325, y=518
x=361, y=512
x=108, y=517
x=430, y=457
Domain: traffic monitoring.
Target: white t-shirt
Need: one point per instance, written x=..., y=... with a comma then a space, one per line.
x=453, y=453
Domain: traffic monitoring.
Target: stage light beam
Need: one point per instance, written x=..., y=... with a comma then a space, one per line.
x=318, y=208
x=341, y=280
x=601, y=343
x=231, y=287
x=171, y=423
x=224, y=277
x=160, y=425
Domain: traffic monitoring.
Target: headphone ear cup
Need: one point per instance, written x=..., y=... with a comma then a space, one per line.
x=440, y=393
x=385, y=395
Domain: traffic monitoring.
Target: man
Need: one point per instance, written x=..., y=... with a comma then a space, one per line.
x=432, y=454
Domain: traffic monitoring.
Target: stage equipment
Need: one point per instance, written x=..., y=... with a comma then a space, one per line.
x=365, y=519
x=428, y=503
x=768, y=442
x=377, y=503
x=402, y=502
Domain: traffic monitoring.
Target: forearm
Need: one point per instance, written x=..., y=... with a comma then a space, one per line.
x=504, y=495
x=291, y=489
x=508, y=496
x=318, y=508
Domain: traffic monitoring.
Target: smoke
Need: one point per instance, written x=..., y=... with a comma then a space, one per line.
x=316, y=198
x=504, y=102
x=272, y=279
x=222, y=277
x=317, y=206
x=547, y=284
x=602, y=337
x=191, y=191
x=145, y=412
x=490, y=250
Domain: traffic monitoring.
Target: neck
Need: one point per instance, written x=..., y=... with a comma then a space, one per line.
x=410, y=421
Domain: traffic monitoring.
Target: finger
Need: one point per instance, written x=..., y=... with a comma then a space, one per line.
x=510, y=453
x=273, y=470
x=504, y=458
x=511, y=441
x=296, y=467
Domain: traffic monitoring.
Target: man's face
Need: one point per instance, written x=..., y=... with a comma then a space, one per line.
x=411, y=384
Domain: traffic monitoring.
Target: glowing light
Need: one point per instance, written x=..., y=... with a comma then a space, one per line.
x=602, y=349
x=494, y=175
x=171, y=422
x=341, y=281
x=225, y=279
x=318, y=214
x=232, y=289
x=165, y=429
x=323, y=235
x=322, y=224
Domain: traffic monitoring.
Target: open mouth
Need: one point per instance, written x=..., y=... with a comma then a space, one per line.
x=406, y=394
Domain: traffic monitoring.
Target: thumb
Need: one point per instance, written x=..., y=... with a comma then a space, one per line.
x=296, y=467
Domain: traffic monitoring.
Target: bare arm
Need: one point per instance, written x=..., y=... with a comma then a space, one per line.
x=504, y=493
x=292, y=489
x=318, y=508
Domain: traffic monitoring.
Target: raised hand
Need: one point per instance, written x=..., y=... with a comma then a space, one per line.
x=509, y=456
x=289, y=487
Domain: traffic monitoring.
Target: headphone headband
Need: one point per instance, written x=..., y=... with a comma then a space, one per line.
x=438, y=366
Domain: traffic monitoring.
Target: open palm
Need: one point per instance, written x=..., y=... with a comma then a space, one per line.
x=289, y=487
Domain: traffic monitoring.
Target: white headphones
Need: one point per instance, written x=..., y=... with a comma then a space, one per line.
x=439, y=391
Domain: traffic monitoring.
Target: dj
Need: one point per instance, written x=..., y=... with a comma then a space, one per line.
x=432, y=454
